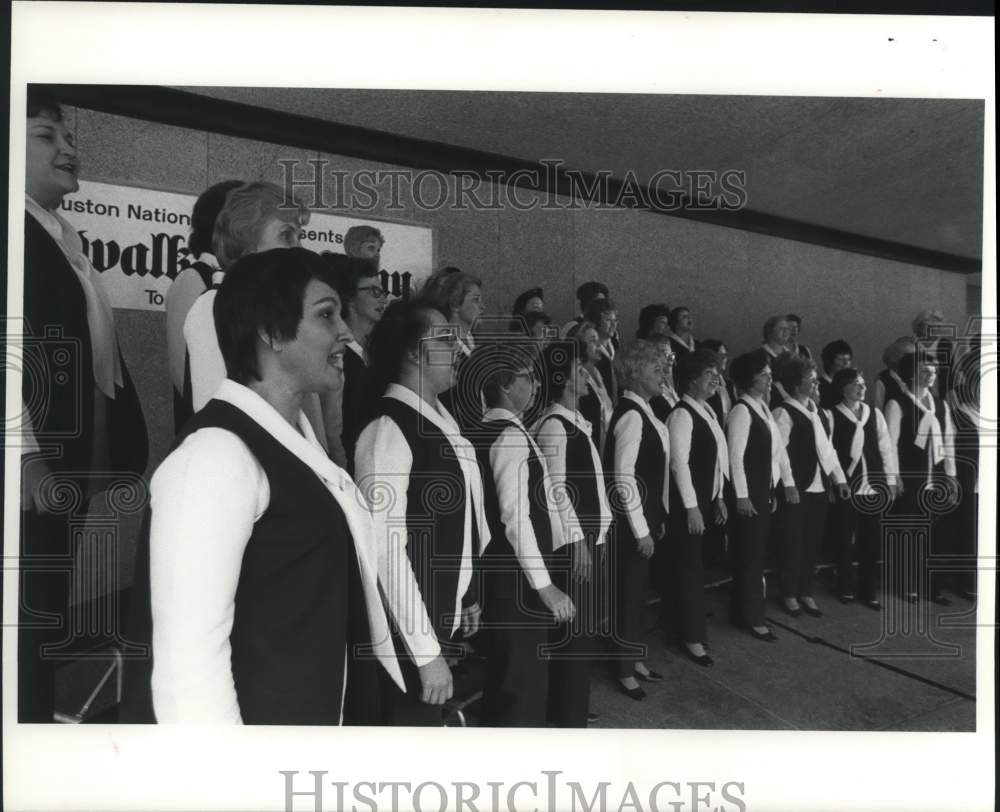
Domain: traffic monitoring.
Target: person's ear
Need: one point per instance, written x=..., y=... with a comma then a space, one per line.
x=270, y=341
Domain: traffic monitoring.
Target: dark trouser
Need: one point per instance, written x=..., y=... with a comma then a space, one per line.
x=687, y=592
x=802, y=529
x=515, y=691
x=43, y=611
x=857, y=533
x=573, y=646
x=749, y=544
x=629, y=585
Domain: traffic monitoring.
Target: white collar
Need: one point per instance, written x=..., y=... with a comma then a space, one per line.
x=846, y=410
x=572, y=415
x=688, y=342
x=437, y=414
x=769, y=351
x=305, y=446
x=499, y=413
x=704, y=409
x=643, y=404
x=48, y=220
x=804, y=409
x=357, y=349
x=758, y=406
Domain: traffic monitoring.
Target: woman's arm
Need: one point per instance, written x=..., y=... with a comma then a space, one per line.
x=205, y=498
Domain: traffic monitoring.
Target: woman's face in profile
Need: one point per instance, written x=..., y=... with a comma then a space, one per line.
x=51, y=164
x=314, y=359
x=278, y=233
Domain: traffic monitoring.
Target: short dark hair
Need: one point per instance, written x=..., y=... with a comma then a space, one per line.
x=262, y=293
x=830, y=352
x=206, y=209
x=42, y=101
x=693, y=364
x=748, y=366
x=523, y=298
x=596, y=309
x=712, y=344
x=793, y=370
x=793, y=317
x=910, y=363
x=397, y=333
x=494, y=365
x=842, y=378
x=648, y=316
x=675, y=314
x=589, y=291
x=346, y=271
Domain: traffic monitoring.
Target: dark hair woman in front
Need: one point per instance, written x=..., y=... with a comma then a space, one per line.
x=636, y=462
x=577, y=483
x=699, y=467
x=757, y=461
x=923, y=434
x=596, y=403
x=81, y=418
x=864, y=450
x=257, y=583
x=423, y=483
x=805, y=431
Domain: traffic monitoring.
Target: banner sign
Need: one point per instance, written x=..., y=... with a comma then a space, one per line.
x=137, y=239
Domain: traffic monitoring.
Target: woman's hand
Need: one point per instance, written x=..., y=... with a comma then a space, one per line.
x=470, y=619
x=696, y=522
x=580, y=561
x=791, y=494
x=721, y=512
x=843, y=492
x=435, y=679
x=646, y=546
x=557, y=602
x=745, y=507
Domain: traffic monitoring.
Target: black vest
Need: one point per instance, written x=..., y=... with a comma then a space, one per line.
x=802, y=452
x=590, y=408
x=913, y=461
x=649, y=470
x=701, y=461
x=893, y=391
x=357, y=403
x=757, y=463
x=581, y=478
x=499, y=556
x=59, y=367
x=843, y=435
x=435, y=513
x=299, y=600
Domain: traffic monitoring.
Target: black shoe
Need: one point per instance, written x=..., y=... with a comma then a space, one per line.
x=812, y=611
x=632, y=693
x=797, y=612
x=698, y=659
x=940, y=600
x=911, y=598
x=593, y=717
x=651, y=676
x=766, y=637
x=874, y=604
x=845, y=599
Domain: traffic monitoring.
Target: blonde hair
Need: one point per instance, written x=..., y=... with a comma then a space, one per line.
x=248, y=208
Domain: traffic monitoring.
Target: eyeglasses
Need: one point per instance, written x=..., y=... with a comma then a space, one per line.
x=374, y=290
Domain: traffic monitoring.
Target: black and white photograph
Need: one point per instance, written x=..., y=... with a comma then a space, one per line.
x=493, y=409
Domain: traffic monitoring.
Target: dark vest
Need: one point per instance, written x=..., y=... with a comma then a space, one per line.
x=715, y=402
x=843, y=434
x=299, y=601
x=499, y=556
x=913, y=460
x=59, y=366
x=828, y=398
x=802, y=452
x=661, y=407
x=757, y=463
x=581, y=478
x=357, y=403
x=649, y=470
x=893, y=391
x=701, y=461
x=435, y=512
